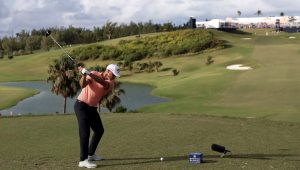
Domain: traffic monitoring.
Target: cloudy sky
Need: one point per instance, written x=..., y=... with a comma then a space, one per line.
x=16, y=15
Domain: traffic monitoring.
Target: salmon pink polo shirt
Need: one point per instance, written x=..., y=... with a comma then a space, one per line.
x=92, y=93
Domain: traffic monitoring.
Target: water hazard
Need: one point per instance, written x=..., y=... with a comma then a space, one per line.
x=45, y=102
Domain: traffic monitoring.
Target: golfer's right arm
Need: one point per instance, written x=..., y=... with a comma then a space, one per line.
x=83, y=81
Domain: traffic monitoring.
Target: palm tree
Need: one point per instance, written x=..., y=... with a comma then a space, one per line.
x=157, y=64
x=150, y=67
x=64, y=78
x=239, y=13
x=109, y=28
x=111, y=100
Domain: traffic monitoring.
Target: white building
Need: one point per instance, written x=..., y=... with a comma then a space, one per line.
x=251, y=22
x=215, y=23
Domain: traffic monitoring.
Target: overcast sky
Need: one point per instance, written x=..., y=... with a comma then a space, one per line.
x=16, y=15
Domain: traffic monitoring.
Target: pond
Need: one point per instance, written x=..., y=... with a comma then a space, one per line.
x=45, y=102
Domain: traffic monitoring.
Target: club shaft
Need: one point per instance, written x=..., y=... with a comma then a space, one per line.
x=62, y=48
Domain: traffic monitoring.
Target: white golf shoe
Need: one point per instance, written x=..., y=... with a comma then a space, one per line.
x=94, y=158
x=86, y=164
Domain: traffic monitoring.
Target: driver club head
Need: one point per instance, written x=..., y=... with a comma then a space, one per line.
x=48, y=33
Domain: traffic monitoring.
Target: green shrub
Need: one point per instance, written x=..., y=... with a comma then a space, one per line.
x=163, y=45
x=121, y=109
x=175, y=72
x=209, y=60
x=109, y=52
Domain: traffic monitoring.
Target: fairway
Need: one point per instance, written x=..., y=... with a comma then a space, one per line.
x=270, y=90
x=137, y=141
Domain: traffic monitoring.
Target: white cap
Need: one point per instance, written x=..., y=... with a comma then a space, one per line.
x=114, y=69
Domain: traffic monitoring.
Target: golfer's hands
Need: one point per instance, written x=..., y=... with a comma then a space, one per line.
x=83, y=70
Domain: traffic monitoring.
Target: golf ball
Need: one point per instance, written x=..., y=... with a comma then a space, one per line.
x=161, y=158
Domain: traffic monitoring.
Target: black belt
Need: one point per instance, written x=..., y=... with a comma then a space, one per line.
x=81, y=102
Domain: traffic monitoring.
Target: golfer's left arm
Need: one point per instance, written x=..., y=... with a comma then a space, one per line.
x=84, y=81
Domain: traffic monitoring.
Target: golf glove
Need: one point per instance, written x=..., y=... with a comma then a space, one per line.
x=85, y=71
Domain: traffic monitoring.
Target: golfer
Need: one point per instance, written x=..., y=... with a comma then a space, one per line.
x=94, y=85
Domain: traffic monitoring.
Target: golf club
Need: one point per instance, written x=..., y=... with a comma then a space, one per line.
x=48, y=33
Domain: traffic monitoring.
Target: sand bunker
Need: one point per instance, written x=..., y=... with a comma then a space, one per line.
x=292, y=37
x=246, y=38
x=238, y=67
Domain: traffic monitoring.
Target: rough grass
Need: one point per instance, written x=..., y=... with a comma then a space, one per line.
x=11, y=95
x=137, y=141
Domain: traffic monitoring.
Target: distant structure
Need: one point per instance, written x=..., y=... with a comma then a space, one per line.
x=277, y=25
x=192, y=22
x=281, y=23
x=216, y=24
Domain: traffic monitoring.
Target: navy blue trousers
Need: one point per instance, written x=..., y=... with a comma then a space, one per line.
x=88, y=118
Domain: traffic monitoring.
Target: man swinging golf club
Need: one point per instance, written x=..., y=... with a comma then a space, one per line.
x=94, y=85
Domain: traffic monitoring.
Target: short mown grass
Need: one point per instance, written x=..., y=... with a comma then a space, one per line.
x=137, y=141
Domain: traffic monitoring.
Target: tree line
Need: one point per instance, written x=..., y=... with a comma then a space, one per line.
x=25, y=42
x=258, y=13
